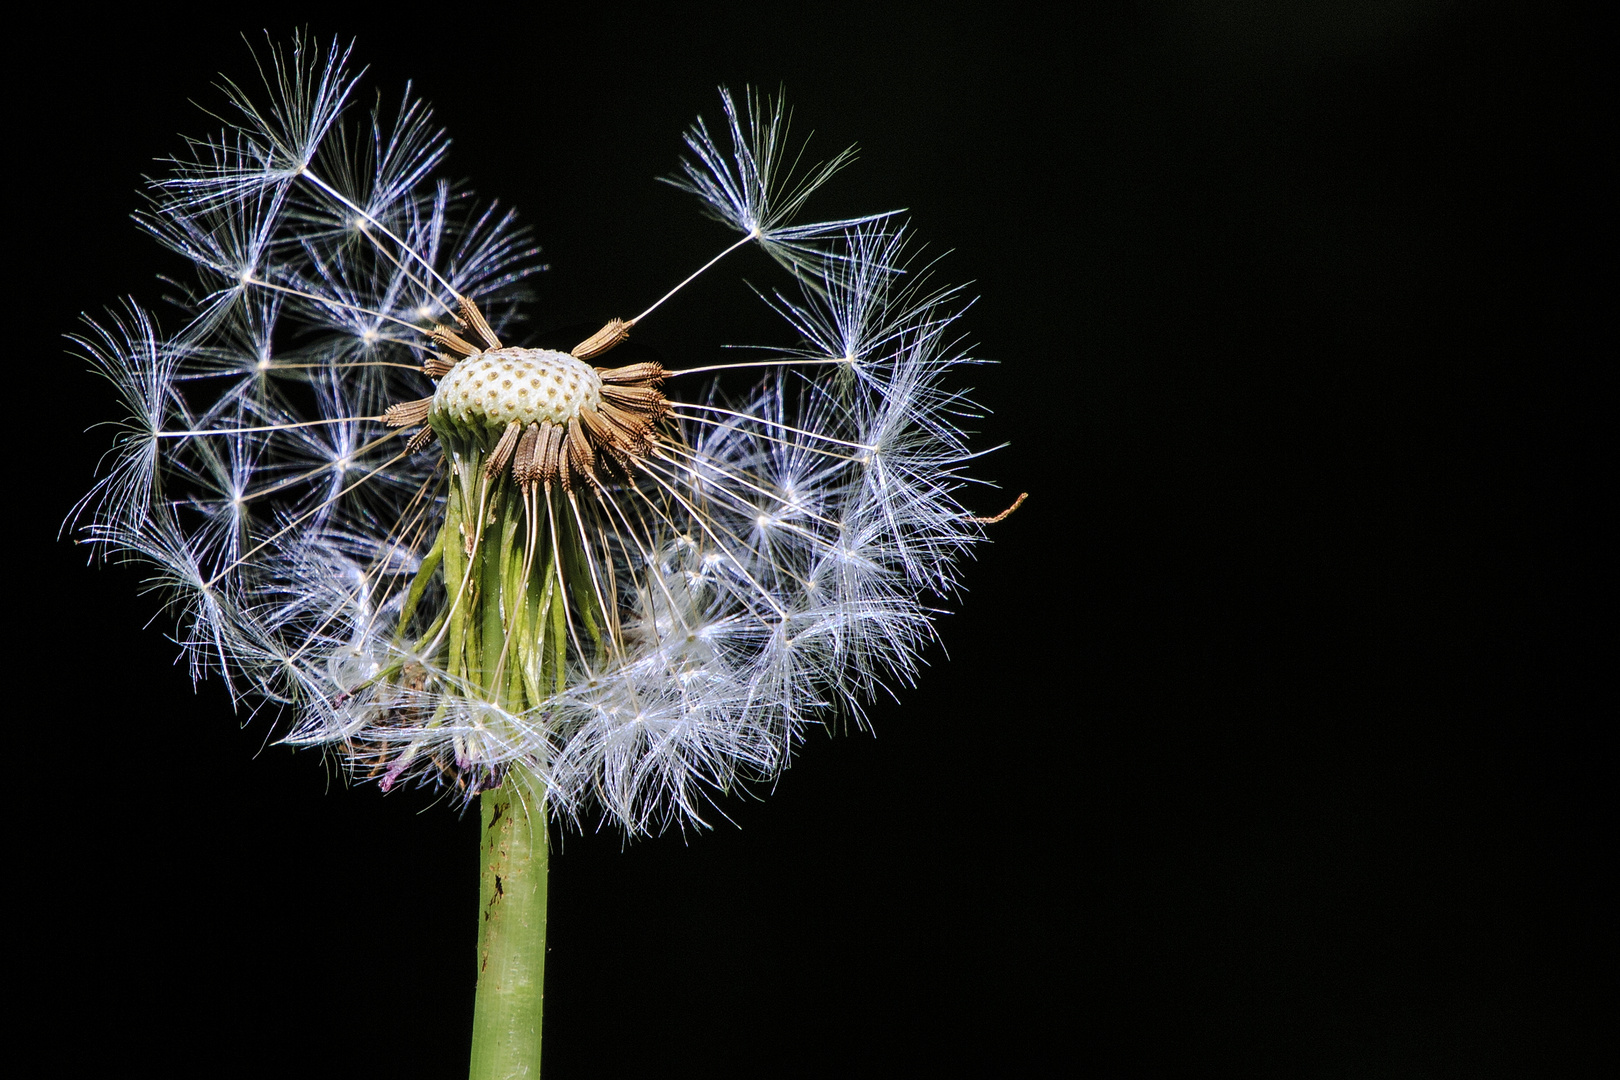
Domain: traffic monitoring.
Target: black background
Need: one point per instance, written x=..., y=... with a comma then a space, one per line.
x=1263, y=742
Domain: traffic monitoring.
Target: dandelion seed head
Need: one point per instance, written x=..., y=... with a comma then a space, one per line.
x=441, y=556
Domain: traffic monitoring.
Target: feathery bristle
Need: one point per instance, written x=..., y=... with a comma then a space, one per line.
x=634, y=587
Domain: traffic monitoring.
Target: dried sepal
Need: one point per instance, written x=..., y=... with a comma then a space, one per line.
x=640, y=374
x=453, y=341
x=526, y=460
x=474, y=319
x=408, y=413
x=616, y=331
x=420, y=440
x=502, y=454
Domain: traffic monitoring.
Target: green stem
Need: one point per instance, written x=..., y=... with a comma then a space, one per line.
x=507, y=630
x=511, y=931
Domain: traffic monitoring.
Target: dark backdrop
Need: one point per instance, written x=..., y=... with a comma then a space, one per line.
x=1263, y=740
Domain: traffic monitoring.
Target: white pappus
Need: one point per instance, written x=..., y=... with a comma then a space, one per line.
x=442, y=557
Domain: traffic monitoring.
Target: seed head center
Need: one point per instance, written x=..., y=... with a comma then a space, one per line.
x=530, y=386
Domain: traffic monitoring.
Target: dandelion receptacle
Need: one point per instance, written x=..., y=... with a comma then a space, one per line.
x=566, y=588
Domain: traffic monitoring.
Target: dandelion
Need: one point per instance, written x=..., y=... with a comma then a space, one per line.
x=603, y=593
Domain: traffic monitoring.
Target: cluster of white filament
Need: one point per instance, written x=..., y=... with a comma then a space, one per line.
x=772, y=563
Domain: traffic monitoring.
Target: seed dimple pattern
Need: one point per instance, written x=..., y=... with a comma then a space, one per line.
x=489, y=388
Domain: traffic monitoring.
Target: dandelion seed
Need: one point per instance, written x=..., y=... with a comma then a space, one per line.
x=610, y=591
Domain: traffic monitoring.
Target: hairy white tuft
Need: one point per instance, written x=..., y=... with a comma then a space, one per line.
x=769, y=561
